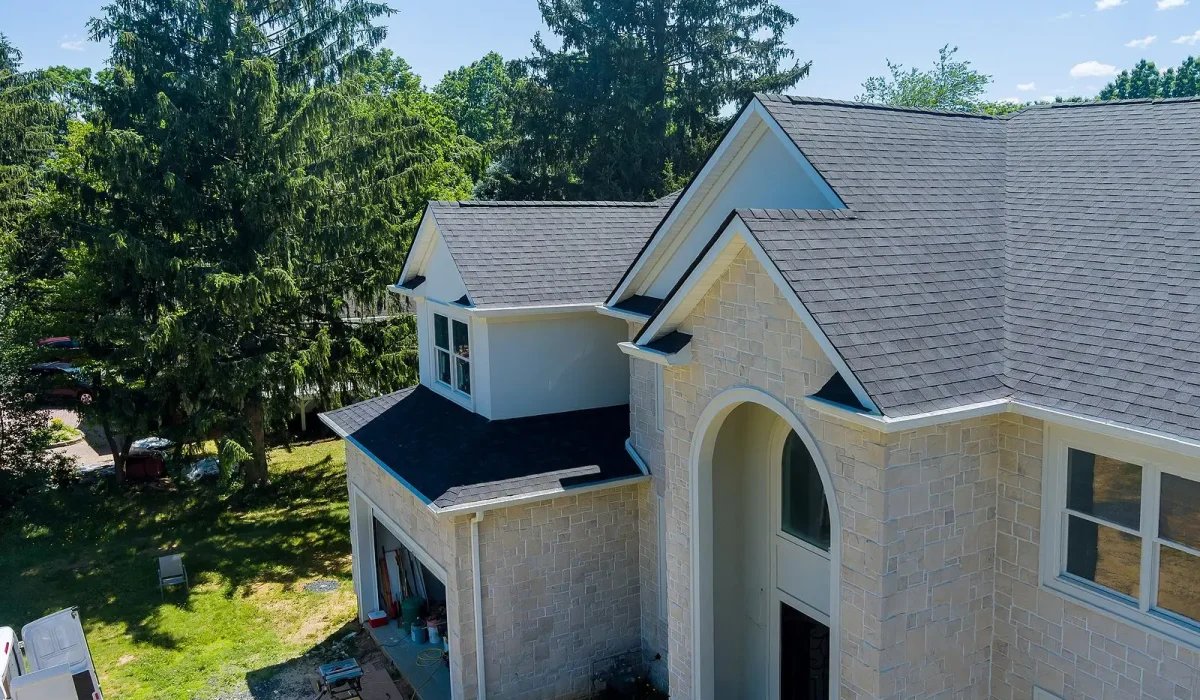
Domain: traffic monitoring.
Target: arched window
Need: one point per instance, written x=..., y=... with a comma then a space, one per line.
x=805, y=510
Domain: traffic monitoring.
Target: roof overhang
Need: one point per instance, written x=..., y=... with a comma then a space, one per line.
x=718, y=167
x=890, y=425
x=731, y=240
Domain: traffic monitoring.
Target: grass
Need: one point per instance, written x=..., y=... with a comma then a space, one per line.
x=248, y=558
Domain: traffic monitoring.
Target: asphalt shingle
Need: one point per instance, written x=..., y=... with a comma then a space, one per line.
x=453, y=457
x=1049, y=256
x=533, y=253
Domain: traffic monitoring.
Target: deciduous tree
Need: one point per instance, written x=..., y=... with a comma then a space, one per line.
x=950, y=85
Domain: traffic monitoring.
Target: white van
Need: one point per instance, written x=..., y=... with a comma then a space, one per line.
x=54, y=641
x=10, y=661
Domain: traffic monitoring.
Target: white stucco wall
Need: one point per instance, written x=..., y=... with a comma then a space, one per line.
x=442, y=281
x=540, y=364
x=769, y=177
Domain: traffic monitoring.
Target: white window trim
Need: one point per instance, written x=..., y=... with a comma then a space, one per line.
x=1154, y=463
x=660, y=403
x=435, y=382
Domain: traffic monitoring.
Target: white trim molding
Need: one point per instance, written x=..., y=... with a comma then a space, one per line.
x=704, y=437
x=742, y=135
x=506, y=501
x=726, y=245
x=887, y=424
x=1141, y=610
x=673, y=359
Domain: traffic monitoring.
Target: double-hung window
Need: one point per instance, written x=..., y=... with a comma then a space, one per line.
x=452, y=350
x=1124, y=531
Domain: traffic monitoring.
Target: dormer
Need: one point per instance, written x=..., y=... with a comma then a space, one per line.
x=506, y=297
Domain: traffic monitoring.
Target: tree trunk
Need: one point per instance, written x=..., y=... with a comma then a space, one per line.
x=120, y=451
x=256, y=470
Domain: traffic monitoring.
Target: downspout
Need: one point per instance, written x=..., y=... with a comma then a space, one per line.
x=481, y=694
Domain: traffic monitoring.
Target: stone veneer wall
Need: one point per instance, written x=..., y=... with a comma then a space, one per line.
x=560, y=583
x=435, y=536
x=940, y=539
x=1045, y=639
x=746, y=334
x=647, y=440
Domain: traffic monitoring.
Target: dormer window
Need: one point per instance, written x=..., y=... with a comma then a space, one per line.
x=452, y=346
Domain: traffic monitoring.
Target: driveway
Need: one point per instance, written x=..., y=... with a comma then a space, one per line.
x=92, y=448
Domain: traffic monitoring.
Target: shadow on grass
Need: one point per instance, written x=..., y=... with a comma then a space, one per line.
x=97, y=547
x=292, y=678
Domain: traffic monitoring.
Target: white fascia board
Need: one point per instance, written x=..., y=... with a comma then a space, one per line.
x=751, y=118
x=623, y=315
x=419, y=248
x=637, y=458
x=736, y=229
x=673, y=305
x=332, y=426
x=731, y=137
x=533, y=310
x=397, y=289
x=885, y=424
x=494, y=503
x=675, y=359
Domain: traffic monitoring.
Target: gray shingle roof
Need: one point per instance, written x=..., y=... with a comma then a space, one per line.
x=1051, y=256
x=452, y=457
x=908, y=290
x=532, y=253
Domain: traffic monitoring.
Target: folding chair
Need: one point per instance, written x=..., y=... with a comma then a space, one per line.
x=172, y=572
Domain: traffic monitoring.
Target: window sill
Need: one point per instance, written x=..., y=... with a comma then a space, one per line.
x=458, y=397
x=1125, y=611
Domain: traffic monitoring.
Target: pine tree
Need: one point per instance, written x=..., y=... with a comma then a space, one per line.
x=636, y=93
x=241, y=179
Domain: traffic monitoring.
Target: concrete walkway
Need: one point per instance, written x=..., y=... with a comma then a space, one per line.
x=92, y=449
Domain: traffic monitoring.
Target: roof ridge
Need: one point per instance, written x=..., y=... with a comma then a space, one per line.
x=850, y=104
x=530, y=203
x=1102, y=103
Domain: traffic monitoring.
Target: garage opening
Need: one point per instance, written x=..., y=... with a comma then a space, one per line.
x=410, y=622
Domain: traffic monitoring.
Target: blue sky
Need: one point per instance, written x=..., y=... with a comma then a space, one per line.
x=1034, y=49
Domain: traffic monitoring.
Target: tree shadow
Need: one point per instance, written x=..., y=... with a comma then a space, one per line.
x=96, y=547
x=293, y=678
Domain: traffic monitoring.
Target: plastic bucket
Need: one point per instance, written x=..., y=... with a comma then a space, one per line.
x=418, y=635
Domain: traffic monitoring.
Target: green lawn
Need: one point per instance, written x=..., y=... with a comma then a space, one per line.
x=96, y=548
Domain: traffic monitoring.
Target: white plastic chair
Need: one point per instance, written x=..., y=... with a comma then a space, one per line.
x=172, y=572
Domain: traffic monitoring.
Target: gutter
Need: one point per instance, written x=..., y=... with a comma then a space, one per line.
x=675, y=359
x=888, y=425
x=506, y=501
x=480, y=674
x=623, y=315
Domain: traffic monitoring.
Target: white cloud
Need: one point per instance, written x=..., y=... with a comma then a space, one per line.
x=1171, y=4
x=1064, y=15
x=1026, y=87
x=1108, y=4
x=1093, y=69
x=72, y=45
x=1187, y=39
x=1142, y=43
x=1011, y=100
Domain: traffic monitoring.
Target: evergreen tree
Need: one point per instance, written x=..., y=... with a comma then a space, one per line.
x=636, y=93
x=251, y=167
x=1145, y=81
